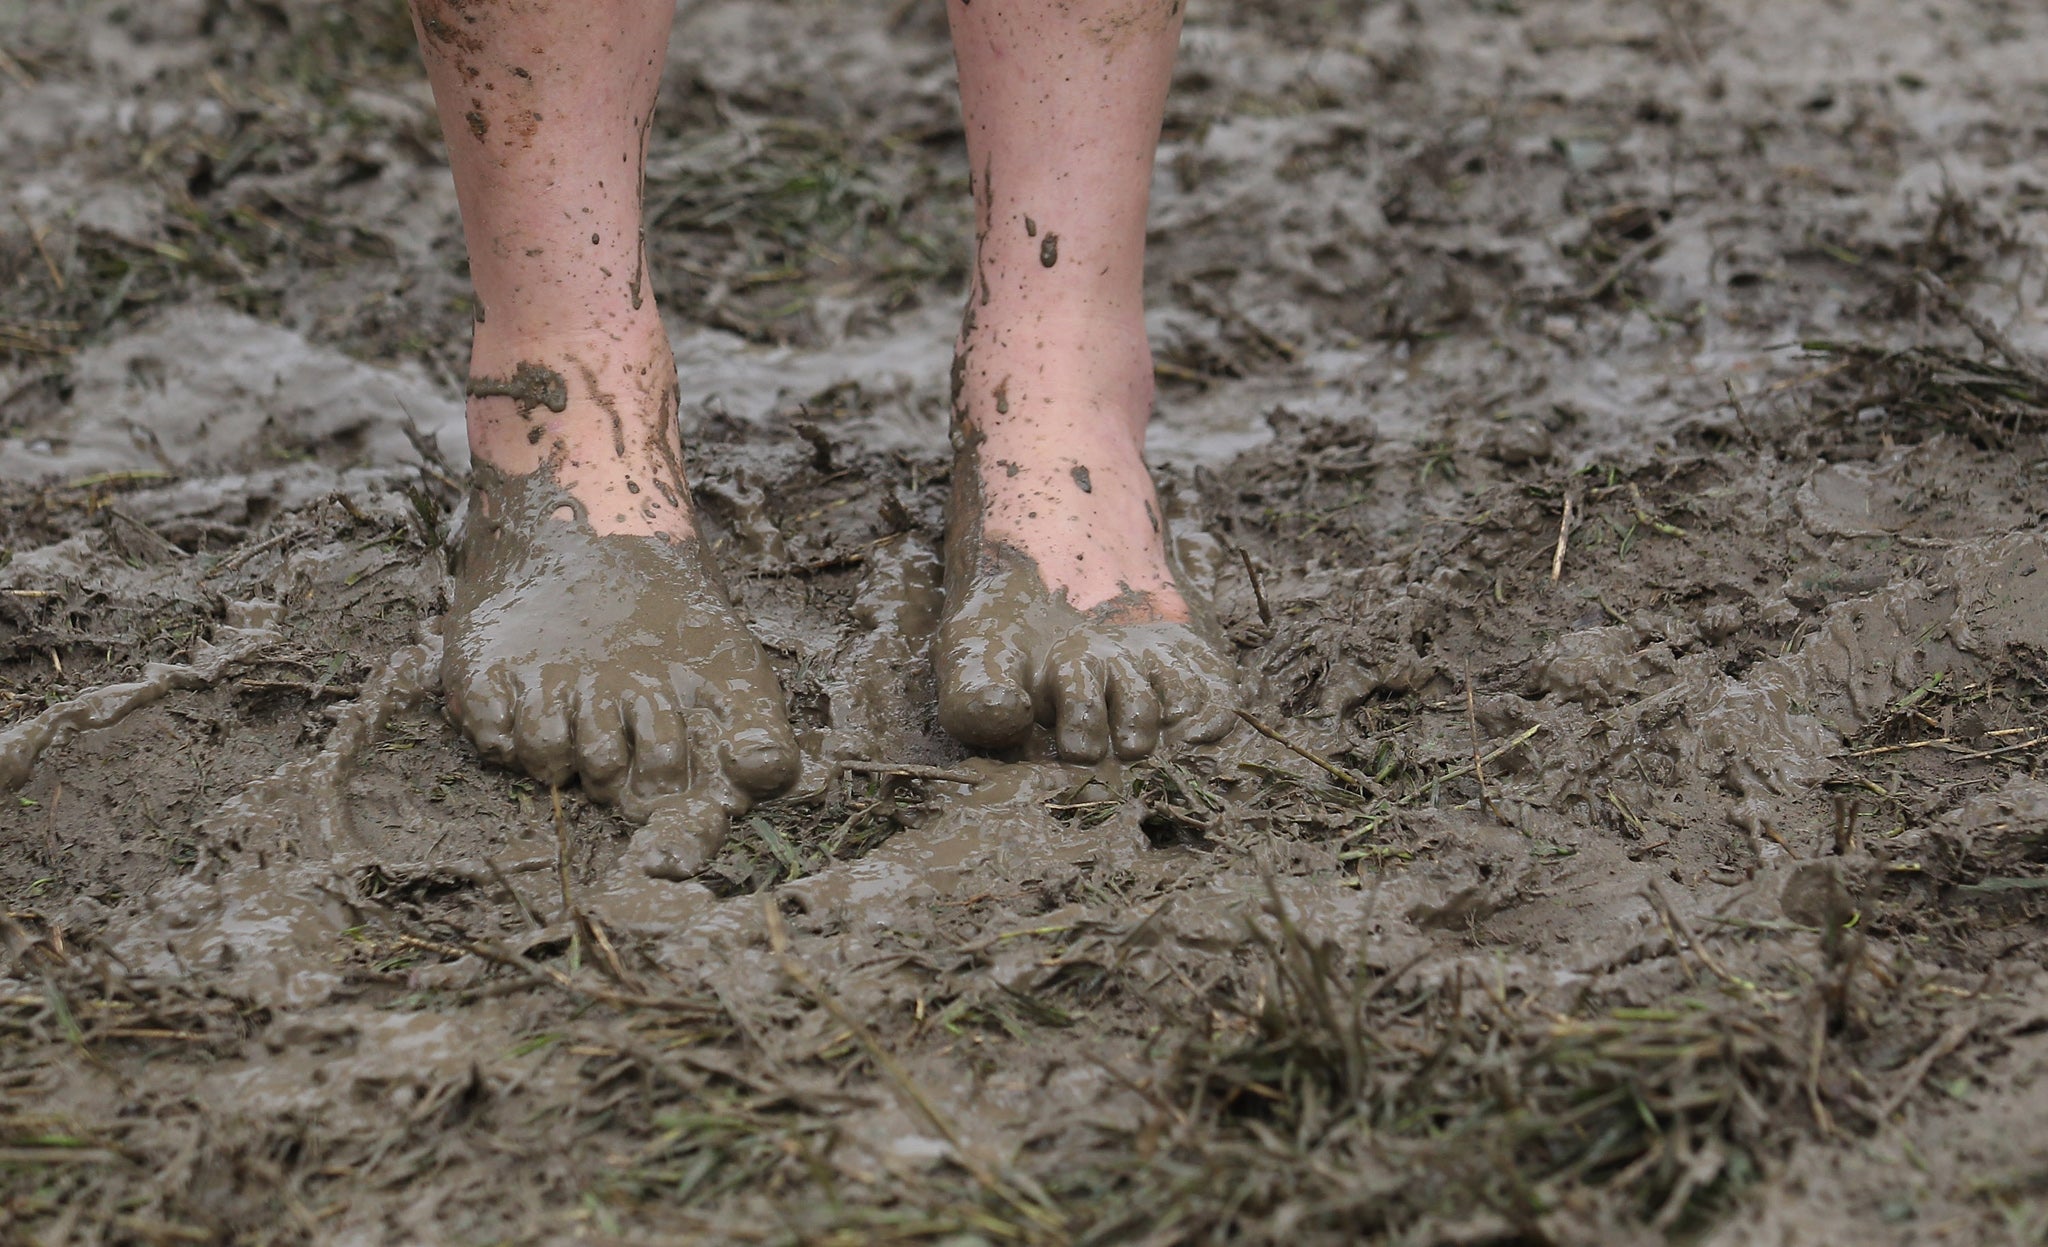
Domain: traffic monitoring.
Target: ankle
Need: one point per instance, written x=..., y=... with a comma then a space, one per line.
x=1053, y=380
x=604, y=347
x=589, y=398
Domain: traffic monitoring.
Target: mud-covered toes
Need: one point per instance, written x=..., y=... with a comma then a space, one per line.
x=1127, y=691
x=611, y=657
x=484, y=707
x=761, y=760
x=601, y=753
x=659, y=742
x=683, y=832
x=756, y=747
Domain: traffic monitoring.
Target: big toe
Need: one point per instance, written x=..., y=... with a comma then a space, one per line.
x=762, y=760
x=755, y=745
x=984, y=698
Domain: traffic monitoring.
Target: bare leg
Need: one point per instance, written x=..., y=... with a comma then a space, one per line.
x=589, y=635
x=1063, y=603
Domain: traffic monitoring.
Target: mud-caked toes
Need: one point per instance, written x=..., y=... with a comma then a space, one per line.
x=761, y=760
x=1100, y=682
x=541, y=738
x=659, y=739
x=754, y=744
x=602, y=756
x=616, y=658
x=1198, y=697
x=483, y=708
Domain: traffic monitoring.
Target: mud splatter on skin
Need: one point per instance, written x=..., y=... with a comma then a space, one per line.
x=1081, y=478
x=479, y=125
x=1030, y=228
x=531, y=385
x=634, y=287
x=985, y=204
x=608, y=402
x=442, y=22
x=1003, y=397
x=1049, y=250
x=1133, y=21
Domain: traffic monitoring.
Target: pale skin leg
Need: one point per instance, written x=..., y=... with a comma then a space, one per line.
x=589, y=635
x=1063, y=603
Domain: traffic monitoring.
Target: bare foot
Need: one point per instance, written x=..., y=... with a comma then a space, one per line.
x=1064, y=603
x=589, y=634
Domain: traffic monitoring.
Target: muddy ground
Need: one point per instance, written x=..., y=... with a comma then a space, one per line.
x=1625, y=432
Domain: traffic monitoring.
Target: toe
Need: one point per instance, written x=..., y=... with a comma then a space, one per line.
x=483, y=709
x=761, y=760
x=540, y=730
x=661, y=761
x=750, y=738
x=1178, y=696
x=1077, y=686
x=984, y=690
x=1133, y=711
x=601, y=753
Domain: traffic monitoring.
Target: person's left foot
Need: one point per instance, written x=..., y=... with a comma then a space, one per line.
x=1064, y=603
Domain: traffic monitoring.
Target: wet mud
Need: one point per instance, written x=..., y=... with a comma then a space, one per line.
x=1638, y=830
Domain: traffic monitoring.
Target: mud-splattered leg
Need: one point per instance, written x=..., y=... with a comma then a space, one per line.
x=589, y=634
x=1064, y=606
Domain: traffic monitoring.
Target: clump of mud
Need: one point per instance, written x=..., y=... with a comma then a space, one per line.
x=1637, y=831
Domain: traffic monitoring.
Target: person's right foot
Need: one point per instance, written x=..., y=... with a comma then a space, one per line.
x=589, y=634
x=1065, y=606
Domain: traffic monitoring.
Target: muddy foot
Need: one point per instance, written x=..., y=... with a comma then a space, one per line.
x=1117, y=657
x=616, y=658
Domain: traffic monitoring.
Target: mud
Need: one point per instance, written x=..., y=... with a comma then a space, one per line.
x=1645, y=840
x=530, y=385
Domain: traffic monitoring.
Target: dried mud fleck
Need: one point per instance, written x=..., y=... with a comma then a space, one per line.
x=531, y=385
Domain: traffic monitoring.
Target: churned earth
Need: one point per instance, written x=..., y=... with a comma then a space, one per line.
x=1618, y=433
